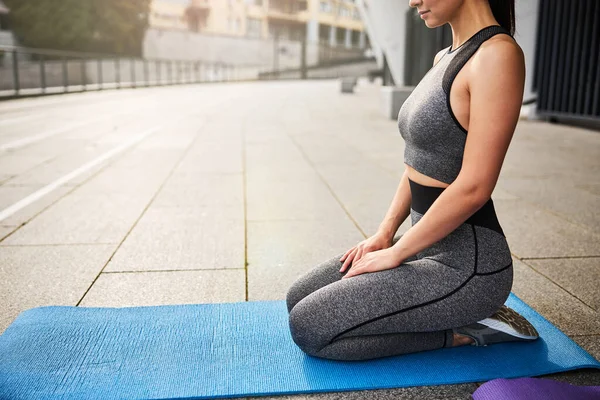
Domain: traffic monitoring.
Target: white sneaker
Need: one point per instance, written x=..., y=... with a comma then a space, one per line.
x=505, y=325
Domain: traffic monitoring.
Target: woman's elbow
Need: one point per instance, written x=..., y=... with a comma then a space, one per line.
x=477, y=191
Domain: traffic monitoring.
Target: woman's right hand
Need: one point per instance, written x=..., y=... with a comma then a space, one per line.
x=373, y=243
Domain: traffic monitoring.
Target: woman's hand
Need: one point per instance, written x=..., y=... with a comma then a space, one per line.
x=373, y=243
x=375, y=261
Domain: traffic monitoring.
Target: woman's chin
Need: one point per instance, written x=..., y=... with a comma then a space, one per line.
x=432, y=24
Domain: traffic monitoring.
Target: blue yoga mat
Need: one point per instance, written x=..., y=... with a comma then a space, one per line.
x=233, y=350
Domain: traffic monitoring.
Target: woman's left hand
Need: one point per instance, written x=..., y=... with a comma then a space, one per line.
x=375, y=261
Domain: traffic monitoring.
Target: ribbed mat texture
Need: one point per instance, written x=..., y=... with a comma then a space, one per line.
x=232, y=350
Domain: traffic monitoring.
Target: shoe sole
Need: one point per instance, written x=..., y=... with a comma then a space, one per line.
x=508, y=321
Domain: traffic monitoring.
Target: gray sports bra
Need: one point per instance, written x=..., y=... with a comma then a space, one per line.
x=434, y=139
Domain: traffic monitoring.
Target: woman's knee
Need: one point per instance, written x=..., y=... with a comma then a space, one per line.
x=307, y=331
x=317, y=277
x=293, y=295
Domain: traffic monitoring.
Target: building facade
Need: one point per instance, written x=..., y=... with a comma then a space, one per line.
x=332, y=22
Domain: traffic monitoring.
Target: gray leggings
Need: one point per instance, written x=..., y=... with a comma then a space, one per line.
x=461, y=279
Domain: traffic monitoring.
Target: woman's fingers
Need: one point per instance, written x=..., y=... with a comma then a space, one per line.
x=353, y=272
x=346, y=254
x=348, y=260
x=359, y=254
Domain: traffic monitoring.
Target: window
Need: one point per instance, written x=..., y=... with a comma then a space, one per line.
x=253, y=27
x=343, y=11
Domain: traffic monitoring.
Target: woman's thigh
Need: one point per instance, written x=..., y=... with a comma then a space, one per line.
x=418, y=296
x=322, y=275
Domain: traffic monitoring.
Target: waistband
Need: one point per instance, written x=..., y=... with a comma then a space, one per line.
x=424, y=196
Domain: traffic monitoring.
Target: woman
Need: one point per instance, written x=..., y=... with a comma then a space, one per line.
x=444, y=282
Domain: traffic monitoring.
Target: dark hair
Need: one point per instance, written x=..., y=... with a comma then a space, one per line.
x=504, y=12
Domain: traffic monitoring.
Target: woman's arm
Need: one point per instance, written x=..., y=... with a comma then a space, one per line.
x=496, y=93
x=399, y=209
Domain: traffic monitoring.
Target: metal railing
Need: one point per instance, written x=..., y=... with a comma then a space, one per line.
x=567, y=60
x=27, y=71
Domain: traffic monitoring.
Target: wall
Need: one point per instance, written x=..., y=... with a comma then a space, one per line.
x=259, y=53
x=358, y=69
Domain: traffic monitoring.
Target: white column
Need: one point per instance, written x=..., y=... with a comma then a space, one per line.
x=312, y=31
x=348, y=38
x=362, y=41
x=332, y=36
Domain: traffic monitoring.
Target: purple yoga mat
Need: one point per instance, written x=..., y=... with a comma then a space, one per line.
x=534, y=389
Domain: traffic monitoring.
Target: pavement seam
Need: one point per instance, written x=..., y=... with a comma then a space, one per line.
x=172, y=270
x=585, y=335
x=550, y=211
x=560, y=257
x=328, y=186
x=245, y=212
x=561, y=287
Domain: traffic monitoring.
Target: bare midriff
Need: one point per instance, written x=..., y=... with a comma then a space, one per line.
x=424, y=180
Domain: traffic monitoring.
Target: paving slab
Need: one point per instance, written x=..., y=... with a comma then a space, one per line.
x=281, y=251
x=191, y=189
x=34, y=276
x=5, y=230
x=182, y=238
x=57, y=124
x=5, y=177
x=324, y=152
x=264, y=131
x=61, y=166
x=292, y=199
x=224, y=157
x=535, y=232
x=64, y=154
x=13, y=164
x=543, y=149
x=578, y=276
x=134, y=289
x=9, y=196
x=275, y=161
x=82, y=218
x=138, y=175
x=572, y=201
x=366, y=192
x=501, y=194
x=557, y=305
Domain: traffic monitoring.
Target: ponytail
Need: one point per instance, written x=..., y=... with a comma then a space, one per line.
x=504, y=13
